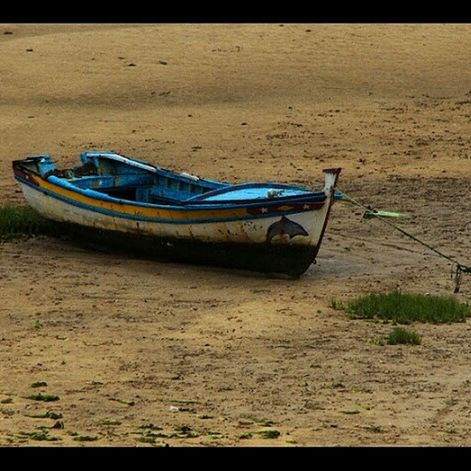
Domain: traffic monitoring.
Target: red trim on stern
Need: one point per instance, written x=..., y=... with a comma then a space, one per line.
x=25, y=174
x=284, y=207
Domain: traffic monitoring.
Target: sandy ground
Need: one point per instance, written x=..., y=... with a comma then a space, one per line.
x=209, y=355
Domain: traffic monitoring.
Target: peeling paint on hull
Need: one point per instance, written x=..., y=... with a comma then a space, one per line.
x=268, y=237
x=249, y=230
x=292, y=260
x=239, y=244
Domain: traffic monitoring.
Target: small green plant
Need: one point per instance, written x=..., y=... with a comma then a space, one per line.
x=264, y=422
x=37, y=324
x=336, y=304
x=269, y=434
x=378, y=341
x=8, y=400
x=257, y=420
x=400, y=336
x=184, y=431
x=145, y=439
x=38, y=436
x=43, y=397
x=407, y=308
x=110, y=422
x=39, y=384
x=374, y=429
x=85, y=438
x=245, y=436
x=149, y=437
x=150, y=426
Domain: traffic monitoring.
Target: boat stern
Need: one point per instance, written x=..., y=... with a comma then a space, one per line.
x=38, y=165
x=331, y=176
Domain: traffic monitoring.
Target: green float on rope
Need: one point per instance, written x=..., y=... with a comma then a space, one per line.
x=382, y=215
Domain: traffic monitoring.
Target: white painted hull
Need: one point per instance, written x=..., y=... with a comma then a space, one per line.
x=242, y=226
x=238, y=231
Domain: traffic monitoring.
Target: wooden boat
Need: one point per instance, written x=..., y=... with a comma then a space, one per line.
x=134, y=206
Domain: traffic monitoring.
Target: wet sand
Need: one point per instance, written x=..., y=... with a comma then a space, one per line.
x=210, y=355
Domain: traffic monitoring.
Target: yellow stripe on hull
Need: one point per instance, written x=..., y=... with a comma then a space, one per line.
x=135, y=210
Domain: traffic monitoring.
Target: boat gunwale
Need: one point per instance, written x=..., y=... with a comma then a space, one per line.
x=136, y=217
x=312, y=197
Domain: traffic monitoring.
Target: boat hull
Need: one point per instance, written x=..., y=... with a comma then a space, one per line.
x=266, y=237
x=292, y=260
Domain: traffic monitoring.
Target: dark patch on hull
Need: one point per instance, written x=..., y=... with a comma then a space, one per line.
x=292, y=260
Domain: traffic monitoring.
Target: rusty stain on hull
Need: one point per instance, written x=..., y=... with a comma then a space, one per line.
x=271, y=237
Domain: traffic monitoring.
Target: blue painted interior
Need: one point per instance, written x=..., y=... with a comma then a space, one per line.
x=254, y=191
x=133, y=180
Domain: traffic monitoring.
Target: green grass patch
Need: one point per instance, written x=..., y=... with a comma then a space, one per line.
x=8, y=400
x=110, y=422
x=400, y=336
x=406, y=308
x=245, y=436
x=145, y=439
x=38, y=436
x=22, y=222
x=43, y=397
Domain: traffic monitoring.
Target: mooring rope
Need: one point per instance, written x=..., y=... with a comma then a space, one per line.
x=460, y=268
